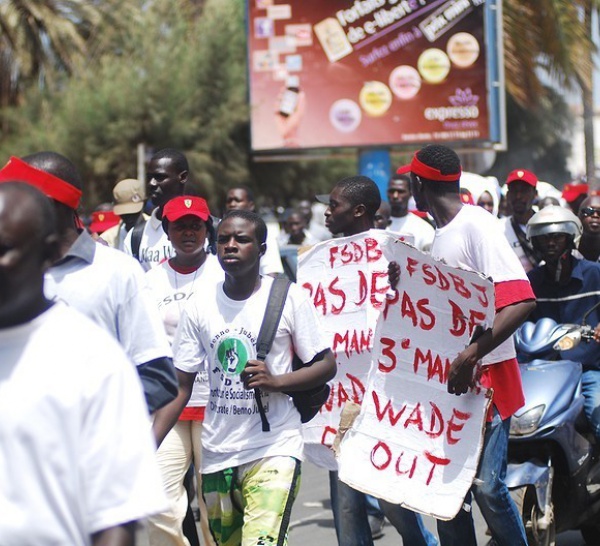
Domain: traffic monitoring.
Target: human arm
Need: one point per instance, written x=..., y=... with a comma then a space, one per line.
x=120, y=535
x=321, y=369
x=506, y=321
x=167, y=416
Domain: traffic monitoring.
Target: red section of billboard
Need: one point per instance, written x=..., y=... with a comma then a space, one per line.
x=363, y=73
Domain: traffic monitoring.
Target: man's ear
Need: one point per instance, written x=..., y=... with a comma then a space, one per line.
x=183, y=176
x=360, y=210
x=262, y=247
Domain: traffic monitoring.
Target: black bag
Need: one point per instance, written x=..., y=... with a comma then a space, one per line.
x=307, y=402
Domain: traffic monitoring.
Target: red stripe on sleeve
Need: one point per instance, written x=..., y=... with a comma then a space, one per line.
x=509, y=292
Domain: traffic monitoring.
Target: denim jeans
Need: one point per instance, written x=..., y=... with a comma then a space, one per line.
x=491, y=494
x=352, y=524
x=590, y=388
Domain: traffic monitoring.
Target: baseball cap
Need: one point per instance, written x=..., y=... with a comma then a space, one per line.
x=523, y=175
x=129, y=196
x=186, y=205
x=573, y=190
x=103, y=220
x=323, y=198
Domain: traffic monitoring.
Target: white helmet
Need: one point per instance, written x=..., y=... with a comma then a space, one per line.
x=554, y=219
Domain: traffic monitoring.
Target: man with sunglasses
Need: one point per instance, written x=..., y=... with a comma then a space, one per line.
x=167, y=175
x=589, y=214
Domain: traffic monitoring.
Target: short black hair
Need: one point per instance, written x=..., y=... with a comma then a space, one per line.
x=260, y=228
x=57, y=165
x=178, y=158
x=249, y=192
x=361, y=190
x=440, y=157
x=44, y=217
x=405, y=177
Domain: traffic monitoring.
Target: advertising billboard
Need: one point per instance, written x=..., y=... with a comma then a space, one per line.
x=374, y=73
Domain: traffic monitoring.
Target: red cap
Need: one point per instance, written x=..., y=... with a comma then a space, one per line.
x=103, y=220
x=431, y=173
x=573, y=190
x=186, y=205
x=404, y=169
x=466, y=197
x=523, y=175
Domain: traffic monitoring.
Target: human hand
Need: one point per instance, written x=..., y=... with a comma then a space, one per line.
x=596, y=333
x=256, y=374
x=288, y=125
x=393, y=274
x=461, y=377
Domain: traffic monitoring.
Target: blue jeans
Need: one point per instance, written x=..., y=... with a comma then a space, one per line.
x=590, y=388
x=352, y=524
x=491, y=494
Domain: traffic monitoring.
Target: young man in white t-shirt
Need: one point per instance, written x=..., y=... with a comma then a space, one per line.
x=77, y=462
x=250, y=477
x=469, y=237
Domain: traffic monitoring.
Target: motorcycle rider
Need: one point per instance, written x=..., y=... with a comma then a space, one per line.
x=566, y=288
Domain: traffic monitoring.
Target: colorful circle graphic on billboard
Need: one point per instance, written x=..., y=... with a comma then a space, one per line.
x=405, y=82
x=463, y=49
x=375, y=98
x=433, y=65
x=345, y=115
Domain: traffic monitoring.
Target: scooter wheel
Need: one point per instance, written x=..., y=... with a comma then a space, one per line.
x=540, y=530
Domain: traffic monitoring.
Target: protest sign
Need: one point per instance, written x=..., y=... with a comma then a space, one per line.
x=347, y=281
x=413, y=443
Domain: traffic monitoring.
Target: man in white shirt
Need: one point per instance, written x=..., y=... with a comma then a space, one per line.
x=77, y=463
x=167, y=175
x=100, y=282
x=522, y=191
x=257, y=466
x=403, y=221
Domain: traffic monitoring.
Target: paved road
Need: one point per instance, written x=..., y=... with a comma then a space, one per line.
x=312, y=522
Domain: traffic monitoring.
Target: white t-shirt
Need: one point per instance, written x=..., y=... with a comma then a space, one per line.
x=223, y=332
x=170, y=291
x=473, y=240
x=270, y=263
x=76, y=453
x=411, y=224
x=155, y=246
x=110, y=288
x=514, y=243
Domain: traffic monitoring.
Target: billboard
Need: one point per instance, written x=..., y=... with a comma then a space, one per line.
x=374, y=73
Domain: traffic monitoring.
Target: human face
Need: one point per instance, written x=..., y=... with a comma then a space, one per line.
x=164, y=180
x=237, y=198
x=589, y=214
x=552, y=246
x=295, y=225
x=24, y=256
x=382, y=217
x=520, y=197
x=340, y=214
x=486, y=202
x=187, y=235
x=398, y=195
x=238, y=249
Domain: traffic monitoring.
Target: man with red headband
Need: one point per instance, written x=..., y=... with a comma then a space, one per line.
x=102, y=283
x=471, y=238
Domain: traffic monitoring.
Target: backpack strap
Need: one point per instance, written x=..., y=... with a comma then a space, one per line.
x=266, y=335
x=136, y=237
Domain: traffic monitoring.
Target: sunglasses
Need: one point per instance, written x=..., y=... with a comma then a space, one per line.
x=589, y=211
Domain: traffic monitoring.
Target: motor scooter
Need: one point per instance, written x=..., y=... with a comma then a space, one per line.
x=553, y=459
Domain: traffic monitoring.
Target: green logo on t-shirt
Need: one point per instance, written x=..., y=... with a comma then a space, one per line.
x=233, y=355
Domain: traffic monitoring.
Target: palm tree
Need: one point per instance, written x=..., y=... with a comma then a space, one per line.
x=40, y=39
x=552, y=36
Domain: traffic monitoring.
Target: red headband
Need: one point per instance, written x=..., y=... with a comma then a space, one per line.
x=17, y=170
x=430, y=173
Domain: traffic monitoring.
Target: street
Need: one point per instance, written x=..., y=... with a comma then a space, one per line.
x=312, y=520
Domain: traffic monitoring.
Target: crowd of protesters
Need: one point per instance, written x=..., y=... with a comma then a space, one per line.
x=79, y=429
